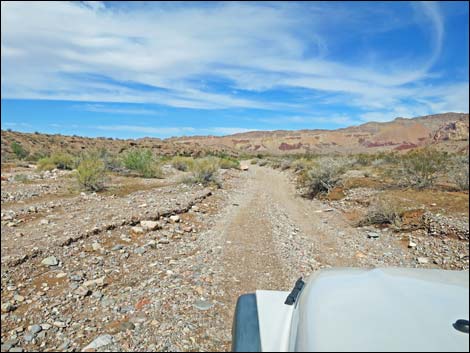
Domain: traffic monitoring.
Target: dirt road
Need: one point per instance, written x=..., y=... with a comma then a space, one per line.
x=174, y=288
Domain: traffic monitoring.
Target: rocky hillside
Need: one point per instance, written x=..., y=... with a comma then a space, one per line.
x=43, y=144
x=448, y=131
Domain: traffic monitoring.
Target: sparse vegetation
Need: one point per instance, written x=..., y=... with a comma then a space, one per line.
x=21, y=178
x=182, y=163
x=18, y=150
x=204, y=171
x=458, y=172
x=45, y=164
x=382, y=211
x=420, y=168
x=58, y=160
x=229, y=163
x=143, y=162
x=91, y=174
x=286, y=164
x=324, y=176
x=262, y=162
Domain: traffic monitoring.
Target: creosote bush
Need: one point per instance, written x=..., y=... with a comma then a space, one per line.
x=143, y=162
x=182, y=163
x=91, y=174
x=229, y=163
x=204, y=171
x=57, y=160
x=18, y=150
x=420, y=168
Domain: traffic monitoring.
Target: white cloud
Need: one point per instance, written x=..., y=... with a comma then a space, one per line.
x=100, y=108
x=62, y=51
x=299, y=119
x=173, y=131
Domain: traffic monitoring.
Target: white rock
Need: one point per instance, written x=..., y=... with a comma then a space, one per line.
x=149, y=225
x=98, y=342
x=423, y=260
x=137, y=230
x=50, y=261
x=95, y=282
x=96, y=246
x=175, y=218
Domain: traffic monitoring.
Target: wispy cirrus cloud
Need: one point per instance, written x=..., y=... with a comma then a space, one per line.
x=101, y=108
x=201, y=56
x=173, y=130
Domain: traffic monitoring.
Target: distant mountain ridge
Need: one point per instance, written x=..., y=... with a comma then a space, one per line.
x=449, y=131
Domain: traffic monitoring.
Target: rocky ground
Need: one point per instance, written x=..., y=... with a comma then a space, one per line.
x=160, y=268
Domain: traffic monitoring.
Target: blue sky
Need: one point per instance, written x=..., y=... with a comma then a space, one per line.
x=172, y=68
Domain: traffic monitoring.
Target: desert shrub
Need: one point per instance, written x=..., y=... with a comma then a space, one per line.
x=182, y=163
x=420, y=168
x=91, y=174
x=275, y=164
x=36, y=156
x=229, y=163
x=378, y=162
x=18, y=150
x=21, y=178
x=262, y=162
x=45, y=164
x=204, y=170
x=301, y=164
x=363, y=159
x=254, y=161
x=285, y=164
x=111, y=161
x=62, y=160
x=382, y=211
x=143, y=162
x=324, y=176
x=458, y=172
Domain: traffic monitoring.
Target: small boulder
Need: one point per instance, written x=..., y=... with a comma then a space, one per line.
x=50, y=261
x=150, y=225
x=175, y=218
x=99, y=342
x=137, y=230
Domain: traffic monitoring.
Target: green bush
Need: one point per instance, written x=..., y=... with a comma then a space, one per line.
x=229, y=163
x=45, y=164
x=182, y=163
x=21, y=178
x=254, y=161
x=143, y=162
x=62, y=160
x=91, y=174
x=420, y=168
x=36, y=156
x=204, y=170
x=18, y=150
x=57, y=160
x=110, y=161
